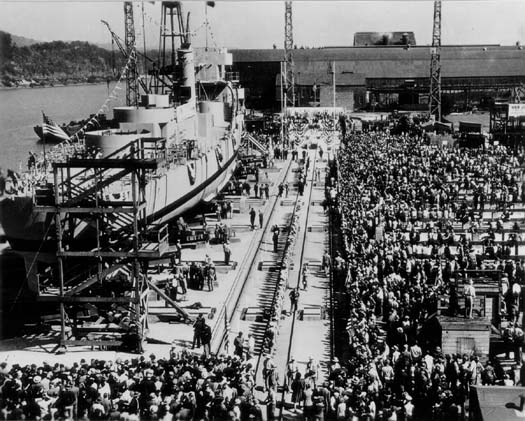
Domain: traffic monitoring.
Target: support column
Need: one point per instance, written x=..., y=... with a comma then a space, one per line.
x=58, y=224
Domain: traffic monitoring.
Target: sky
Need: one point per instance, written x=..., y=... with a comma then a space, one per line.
x=260, y=24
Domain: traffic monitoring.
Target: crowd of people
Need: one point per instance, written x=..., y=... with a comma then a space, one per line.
x=416, y=218
x=35, y=172
x=181, y=387
x=400, y=202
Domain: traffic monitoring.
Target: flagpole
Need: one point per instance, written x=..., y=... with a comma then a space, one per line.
x=206, y=18
x=44, y=141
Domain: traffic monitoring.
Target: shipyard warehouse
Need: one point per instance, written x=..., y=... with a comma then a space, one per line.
x=308, y=233
x=384, y=72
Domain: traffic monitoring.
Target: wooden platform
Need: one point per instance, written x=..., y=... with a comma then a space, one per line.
x=465, y=336
x=252, y=314
x=312, y=313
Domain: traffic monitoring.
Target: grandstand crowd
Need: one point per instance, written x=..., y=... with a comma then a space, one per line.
x=412, y=214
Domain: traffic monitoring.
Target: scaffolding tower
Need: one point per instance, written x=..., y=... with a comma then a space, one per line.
x=104, y=243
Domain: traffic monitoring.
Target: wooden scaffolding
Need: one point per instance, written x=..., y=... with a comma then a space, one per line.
x=104, y=243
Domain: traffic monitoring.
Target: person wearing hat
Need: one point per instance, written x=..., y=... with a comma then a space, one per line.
x=198, y=326
x=238, y=345
x=178, y=252
x=335, y=364
x=294, y=299
x=298, y=386
x=211, y=275
x=261, y=218
x=271, y=403
x=206, y=338
x=227, y=252
x=36, y=389
x=252, y=218
x=408, y=407
x=291, y=370
x=470, y=294
x=272, y=377
x=312, y=372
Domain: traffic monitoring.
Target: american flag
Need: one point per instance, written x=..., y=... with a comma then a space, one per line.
x=50, y=127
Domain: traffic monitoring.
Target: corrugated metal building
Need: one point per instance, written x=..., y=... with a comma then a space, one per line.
x=390, y=75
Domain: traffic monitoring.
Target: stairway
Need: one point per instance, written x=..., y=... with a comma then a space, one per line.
x=93, y=279
x=258, y=145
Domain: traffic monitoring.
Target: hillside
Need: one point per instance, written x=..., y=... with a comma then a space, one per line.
x=23, y=41
x=49, y=63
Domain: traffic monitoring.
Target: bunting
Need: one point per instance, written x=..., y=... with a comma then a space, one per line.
x=105, y=106
x=167, y=31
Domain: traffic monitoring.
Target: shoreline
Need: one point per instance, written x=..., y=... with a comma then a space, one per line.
x=58, y=85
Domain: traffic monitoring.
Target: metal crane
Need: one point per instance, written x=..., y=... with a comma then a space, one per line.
x=287, y=70
x=116, y=39
x=289, y=81
x=434, y=99
x=132, y=76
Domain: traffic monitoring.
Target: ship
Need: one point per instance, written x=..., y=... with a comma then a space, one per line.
x=195, y=105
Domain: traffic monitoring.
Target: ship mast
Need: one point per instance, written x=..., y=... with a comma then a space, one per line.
x=170, y=77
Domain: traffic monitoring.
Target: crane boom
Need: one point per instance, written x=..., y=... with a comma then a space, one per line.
x=116, y=39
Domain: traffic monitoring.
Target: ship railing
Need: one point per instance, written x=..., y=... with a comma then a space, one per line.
x=180, y=154
x=232, y=76
x=82, y=183
x=158, y=237
x=140, y=149
x=152, y=148
x=163, y=239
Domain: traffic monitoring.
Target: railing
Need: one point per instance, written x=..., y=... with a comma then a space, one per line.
x=163, y=236
x=231, y=76
x=81, y=183
x=158, y=237
x=153, y=148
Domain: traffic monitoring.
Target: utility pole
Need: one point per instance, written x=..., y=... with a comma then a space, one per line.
x=434, y=99
x=132, y=77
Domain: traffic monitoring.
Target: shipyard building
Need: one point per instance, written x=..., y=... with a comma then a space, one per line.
x=383, y=71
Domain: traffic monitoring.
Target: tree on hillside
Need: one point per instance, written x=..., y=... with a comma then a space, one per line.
x=76, y=60
x=6, y=47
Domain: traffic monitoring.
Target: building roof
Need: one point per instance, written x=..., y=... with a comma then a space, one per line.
x=399, y=62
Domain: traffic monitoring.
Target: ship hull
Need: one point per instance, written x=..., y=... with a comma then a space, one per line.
x=28, y=229
x=204, y=192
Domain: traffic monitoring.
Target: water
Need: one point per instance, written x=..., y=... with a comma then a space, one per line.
x=21, y=109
